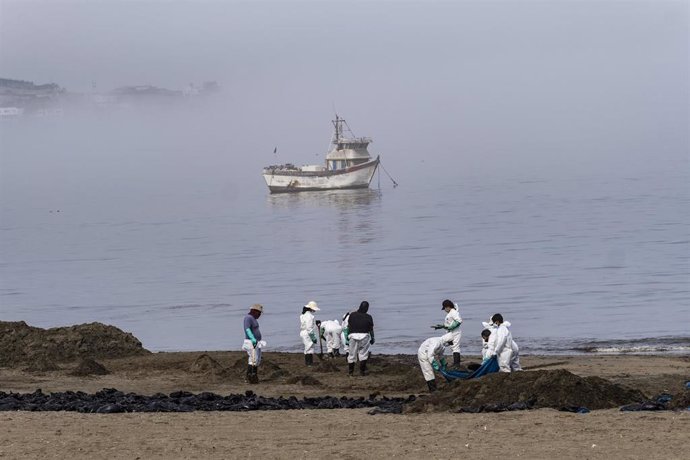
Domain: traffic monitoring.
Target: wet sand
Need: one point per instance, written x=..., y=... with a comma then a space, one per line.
x=543, y=433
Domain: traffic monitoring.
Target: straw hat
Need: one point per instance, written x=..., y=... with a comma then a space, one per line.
x=257, y=307
x=313, y=306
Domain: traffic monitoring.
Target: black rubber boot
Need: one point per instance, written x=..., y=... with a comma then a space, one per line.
x=250, y=371
x=336, y=352
x=363, y=367
x=456, y=359
x=432, y=385
x=331, y=355
x=350, y=368
x=309, y=359
x=255, y=374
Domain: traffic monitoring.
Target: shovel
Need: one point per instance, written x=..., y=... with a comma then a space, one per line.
x=320, y=355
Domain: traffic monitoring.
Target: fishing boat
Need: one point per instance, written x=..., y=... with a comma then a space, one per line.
x=348, y=166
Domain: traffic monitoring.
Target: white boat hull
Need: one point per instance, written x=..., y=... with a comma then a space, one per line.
x=287, y=181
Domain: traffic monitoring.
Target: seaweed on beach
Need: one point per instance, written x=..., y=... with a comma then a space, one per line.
x=528, y=390
x=21, y=344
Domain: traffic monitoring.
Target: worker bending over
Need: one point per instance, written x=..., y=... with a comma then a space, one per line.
x=431, y=358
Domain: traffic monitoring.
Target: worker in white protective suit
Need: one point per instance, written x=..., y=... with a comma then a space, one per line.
x=486, y=334
x=452, y=324
x=502, y=345
x=330, y=331
x=430, y=356
x=308, y=330
x=344, y=334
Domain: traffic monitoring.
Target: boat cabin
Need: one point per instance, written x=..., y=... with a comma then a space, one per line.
x=347, y=153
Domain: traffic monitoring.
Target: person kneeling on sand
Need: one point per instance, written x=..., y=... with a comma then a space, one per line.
x=252, y=341
x=360, y=336
x=502, y=345
x=430, y=356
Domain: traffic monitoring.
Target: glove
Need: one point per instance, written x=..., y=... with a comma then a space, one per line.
x=347, y=342
x=435, y=365
x=372, y=341
x=250, y=334
x=312, y=336
x=443, y=363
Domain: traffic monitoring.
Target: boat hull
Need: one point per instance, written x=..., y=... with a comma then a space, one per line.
x=287, y=181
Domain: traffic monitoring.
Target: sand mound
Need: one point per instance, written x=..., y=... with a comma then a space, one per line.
x=530, y=389
x=206, y=365
x=88, y=366
x=23, y=344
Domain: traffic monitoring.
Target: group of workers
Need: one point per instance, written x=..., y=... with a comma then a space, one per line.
x=355, y=334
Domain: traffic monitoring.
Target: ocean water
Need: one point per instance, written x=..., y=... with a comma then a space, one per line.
x=173, y=243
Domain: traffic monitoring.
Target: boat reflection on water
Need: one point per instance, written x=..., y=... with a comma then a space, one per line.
x=341, y=199
x=353, y=217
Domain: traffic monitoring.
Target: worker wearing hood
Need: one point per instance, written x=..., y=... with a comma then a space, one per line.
x=360, y=336
x=501, y=343
x=330, y=330
x=308, y=331
x=488, y=345
x=430, y=356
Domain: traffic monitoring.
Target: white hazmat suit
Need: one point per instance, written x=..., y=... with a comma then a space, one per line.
x=343, y=338
x=501, y=345
x=431, y=350
x=331, y=331
x=308, y=331
x=452, y=325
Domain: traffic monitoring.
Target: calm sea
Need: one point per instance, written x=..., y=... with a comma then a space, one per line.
x=173, y=243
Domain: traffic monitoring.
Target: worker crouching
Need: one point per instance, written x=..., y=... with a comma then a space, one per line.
x=431, y=358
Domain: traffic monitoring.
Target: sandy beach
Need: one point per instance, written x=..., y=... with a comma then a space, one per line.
x=341, y=433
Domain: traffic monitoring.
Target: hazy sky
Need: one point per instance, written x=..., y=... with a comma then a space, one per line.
x=592, y=85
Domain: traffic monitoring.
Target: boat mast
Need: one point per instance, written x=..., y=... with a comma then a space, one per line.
x=338, y=122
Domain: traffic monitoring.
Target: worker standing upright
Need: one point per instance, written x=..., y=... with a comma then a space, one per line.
x=360, y=336
x=308, y=331
x=452, y=324
x=501, y=343
x=343, y=335
x=252, y=341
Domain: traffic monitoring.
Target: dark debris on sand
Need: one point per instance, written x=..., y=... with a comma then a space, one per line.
x=114, y=401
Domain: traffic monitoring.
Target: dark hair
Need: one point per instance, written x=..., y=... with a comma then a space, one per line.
x=448, y=303
x=497, y=318
x=486, y=333
x=305, y=309
x=318, y=322
x=363, y=307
